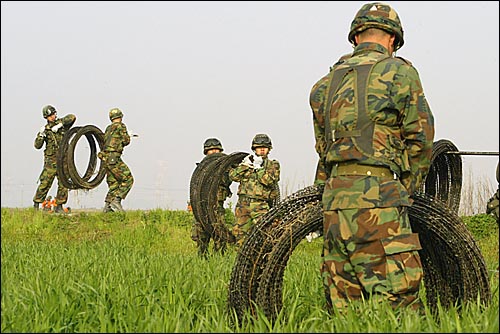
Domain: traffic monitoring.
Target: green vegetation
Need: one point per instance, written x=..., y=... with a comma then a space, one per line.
x=139, y=272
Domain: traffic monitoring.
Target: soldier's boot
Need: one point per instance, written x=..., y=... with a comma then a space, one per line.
x=116, y=204
x=59, y=209
x=107, y=207
x=36, y=205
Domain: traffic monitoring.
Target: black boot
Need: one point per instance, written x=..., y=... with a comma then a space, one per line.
x=116, y=204
x=59, y=209
x=107, y=207
x=36, y=205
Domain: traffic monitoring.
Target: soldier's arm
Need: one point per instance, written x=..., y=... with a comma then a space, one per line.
x=239, y=173
x=316, y=102
x=418, y=133
x=124, y=134
x=39, y=140
x=68, y=120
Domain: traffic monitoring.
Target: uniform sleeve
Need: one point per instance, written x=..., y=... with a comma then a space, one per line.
x=418, y=134
x=317, y=104
x=124, y=135
x=39, y=140
x=68, y=120
x=239, y=173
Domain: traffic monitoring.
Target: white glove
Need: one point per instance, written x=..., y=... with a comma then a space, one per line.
x=257, y=162
x=132, y=134
x=313, y=235
x=42, y=131
x=247, y=161
x=56, y=127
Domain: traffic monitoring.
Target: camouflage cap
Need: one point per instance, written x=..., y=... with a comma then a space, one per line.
x=115, y=113
x=377, y=15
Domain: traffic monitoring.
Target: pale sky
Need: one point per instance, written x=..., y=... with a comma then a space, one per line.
x=182, y=72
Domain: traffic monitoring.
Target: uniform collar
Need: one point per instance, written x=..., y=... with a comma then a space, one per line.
x=368, y=47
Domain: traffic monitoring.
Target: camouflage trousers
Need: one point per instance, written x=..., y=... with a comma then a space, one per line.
x=49, y=173
x=247, y=213
x=119, y=179
x=370, y=253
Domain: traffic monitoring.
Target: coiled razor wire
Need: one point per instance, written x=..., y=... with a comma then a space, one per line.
x=67, y=172
x=454, y=268
x=205, y=181
x=444, y=179
x=198, y=192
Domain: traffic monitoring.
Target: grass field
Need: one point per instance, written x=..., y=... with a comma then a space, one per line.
x=139, y=272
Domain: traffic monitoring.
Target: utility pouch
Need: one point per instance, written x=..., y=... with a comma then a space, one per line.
x=113, y=158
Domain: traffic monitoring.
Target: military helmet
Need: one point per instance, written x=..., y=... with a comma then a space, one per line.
x=377, y=15
x=261, y=140
x=48, y=110
x=210, y=144
x=115, y=113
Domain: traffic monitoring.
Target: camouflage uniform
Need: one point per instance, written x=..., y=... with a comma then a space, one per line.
x=256, y=191
x=118, y=175
x=374, y=134
x=52, y=141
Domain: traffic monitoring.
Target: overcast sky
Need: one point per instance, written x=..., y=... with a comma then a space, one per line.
x=185, y=71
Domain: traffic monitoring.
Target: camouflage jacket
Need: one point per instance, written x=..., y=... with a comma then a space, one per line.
x=260, y=183
x=400, y=122
x=53, y=139
x=116, y=137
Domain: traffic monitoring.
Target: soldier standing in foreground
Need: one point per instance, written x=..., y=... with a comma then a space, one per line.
x=201, y=233
x=51, y=134
x=258, y=177
x=374, y=133
x=118, y=175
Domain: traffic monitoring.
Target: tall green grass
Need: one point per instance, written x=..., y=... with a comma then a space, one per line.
x=139, y=272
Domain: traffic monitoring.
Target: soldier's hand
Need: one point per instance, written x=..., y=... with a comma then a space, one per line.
x=56, y=127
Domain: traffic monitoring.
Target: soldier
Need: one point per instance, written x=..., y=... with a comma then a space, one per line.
x=118, y=175
x=51, y=134
x=201, y=233
x=258, y=177
x=374, y=133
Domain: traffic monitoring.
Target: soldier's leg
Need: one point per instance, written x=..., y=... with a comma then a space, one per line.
x=391, y=251
x=46, y=179
x=203, y=243
x=112, y=185
x=125, y=179
x=339, y=279
x=62, y=193
x=242, y=215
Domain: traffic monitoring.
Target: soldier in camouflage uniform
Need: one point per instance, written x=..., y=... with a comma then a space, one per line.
x=374, y=133
x=258, y=177
x=201, y=233
x=118, y=175
x=51, y=134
